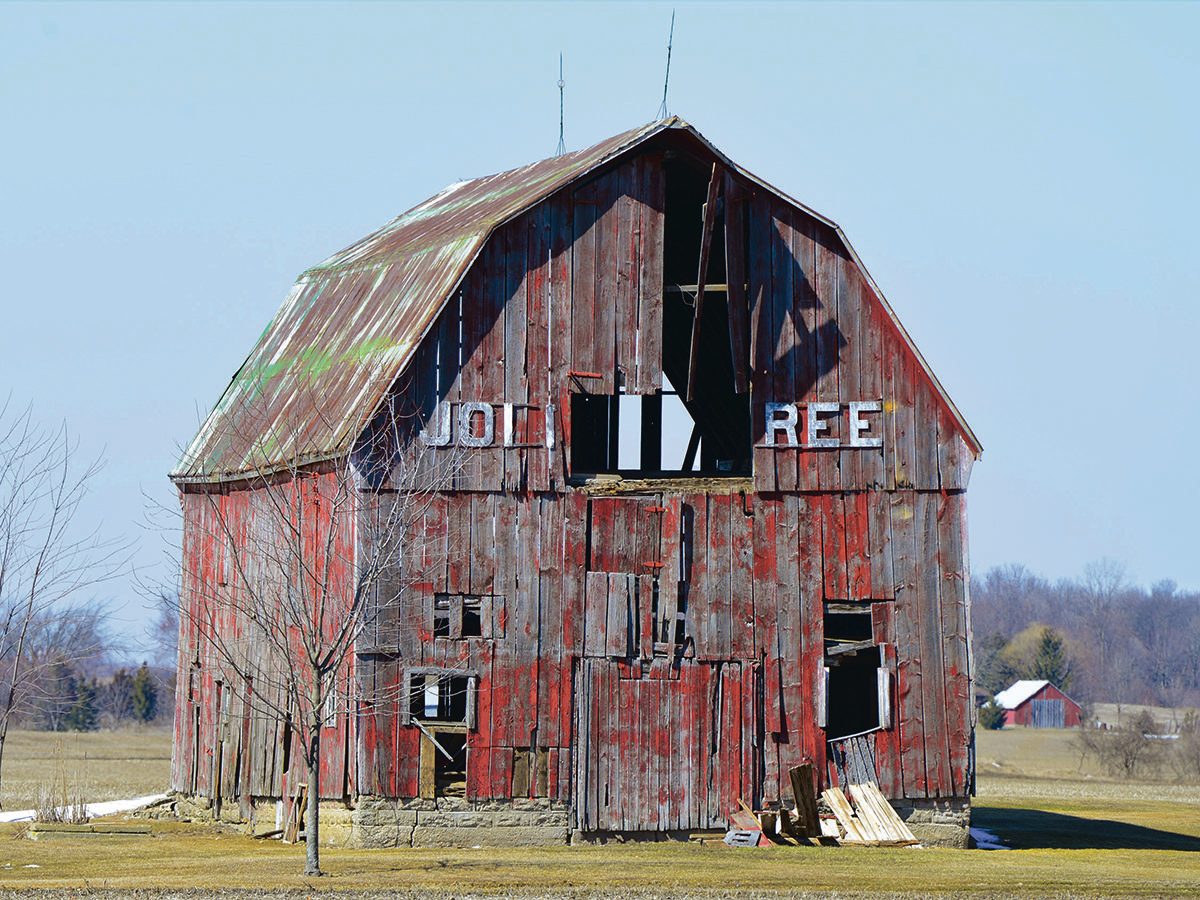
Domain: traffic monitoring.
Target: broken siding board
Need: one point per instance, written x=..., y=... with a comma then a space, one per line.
x=887, y=740
x=956, y=669
x=696, y=575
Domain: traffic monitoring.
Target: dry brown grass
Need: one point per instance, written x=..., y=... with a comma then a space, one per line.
x=1082, y=837
x=100, y=765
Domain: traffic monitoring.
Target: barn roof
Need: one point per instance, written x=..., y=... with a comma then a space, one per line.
x=1020, y=691
x=351, y=323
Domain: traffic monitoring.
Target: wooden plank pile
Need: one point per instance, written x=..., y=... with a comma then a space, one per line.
x=871, y=821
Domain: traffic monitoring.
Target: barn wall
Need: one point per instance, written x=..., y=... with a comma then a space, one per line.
x=231, y=740
x=580, y=671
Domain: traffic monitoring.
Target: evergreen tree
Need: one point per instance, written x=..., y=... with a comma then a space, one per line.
x=1051, y=661
x=991, y=715
x=145, y=695
x=83, y=714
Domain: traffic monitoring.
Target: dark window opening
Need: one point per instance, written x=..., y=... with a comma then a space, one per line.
x=472, y=620
x=853, y=693
x=844, y=624
x=435, y=697
x=450, y=772
x=464, y=615
x=441, y=616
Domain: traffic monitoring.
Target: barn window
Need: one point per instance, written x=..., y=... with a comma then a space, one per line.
x=444, y=696
x=856, y=681
x=466, y=615
x=645, y=436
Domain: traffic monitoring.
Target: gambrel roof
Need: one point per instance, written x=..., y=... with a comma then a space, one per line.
x=351, y=324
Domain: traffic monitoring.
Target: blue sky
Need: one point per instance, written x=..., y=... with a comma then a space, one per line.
x=1020, y=179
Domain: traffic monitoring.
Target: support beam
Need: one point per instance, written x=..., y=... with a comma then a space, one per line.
x=710, y=216
x=735, y=275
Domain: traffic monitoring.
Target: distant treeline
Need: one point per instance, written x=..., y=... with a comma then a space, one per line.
x=64, y=670
x=1117, y=643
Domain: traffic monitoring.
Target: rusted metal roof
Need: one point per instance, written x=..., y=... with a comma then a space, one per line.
x=351, y=323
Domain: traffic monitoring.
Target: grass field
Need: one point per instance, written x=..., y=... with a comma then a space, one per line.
x=105, y=765
x=1076, y=834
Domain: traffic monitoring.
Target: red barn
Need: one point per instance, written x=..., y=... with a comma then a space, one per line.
x=1038, y=704
x=711, y=521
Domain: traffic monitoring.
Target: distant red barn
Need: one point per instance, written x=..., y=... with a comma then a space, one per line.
x=1038, y=704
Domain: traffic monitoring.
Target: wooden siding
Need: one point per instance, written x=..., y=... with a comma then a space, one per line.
x=230, y=741
x=640, y=730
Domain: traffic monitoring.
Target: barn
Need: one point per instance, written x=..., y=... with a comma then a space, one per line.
x=1038, y=704
x=705, y=516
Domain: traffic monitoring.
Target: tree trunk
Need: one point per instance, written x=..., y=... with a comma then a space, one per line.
x=312, y=823
x=3, y=738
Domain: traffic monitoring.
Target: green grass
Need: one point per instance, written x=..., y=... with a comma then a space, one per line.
x=1076, y=834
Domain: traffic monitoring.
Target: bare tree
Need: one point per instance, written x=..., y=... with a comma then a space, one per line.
x=308, y=560
x=46, y=558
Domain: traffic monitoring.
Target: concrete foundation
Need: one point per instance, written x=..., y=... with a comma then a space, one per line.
x=937, y=823
x=384, y=822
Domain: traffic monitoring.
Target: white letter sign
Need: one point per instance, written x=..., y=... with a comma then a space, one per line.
x=858, y=424
x=787, y=424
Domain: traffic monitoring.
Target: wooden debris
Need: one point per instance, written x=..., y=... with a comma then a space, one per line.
x=890, y=826
x=803, y=789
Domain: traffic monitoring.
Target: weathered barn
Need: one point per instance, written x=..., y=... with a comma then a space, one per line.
x=1039, y=704
x=625, y=627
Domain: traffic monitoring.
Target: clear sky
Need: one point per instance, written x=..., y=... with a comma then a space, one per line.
x=1019, y=178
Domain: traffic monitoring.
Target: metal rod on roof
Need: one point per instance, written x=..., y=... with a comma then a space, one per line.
x=662, y=109
x=562, y=147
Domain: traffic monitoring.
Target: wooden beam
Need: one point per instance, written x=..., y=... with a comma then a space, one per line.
x=689, y=458
x=735, y=274
x=710, y=215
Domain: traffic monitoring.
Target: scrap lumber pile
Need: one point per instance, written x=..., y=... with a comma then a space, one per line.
x=871, y=821
x=868, y=821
